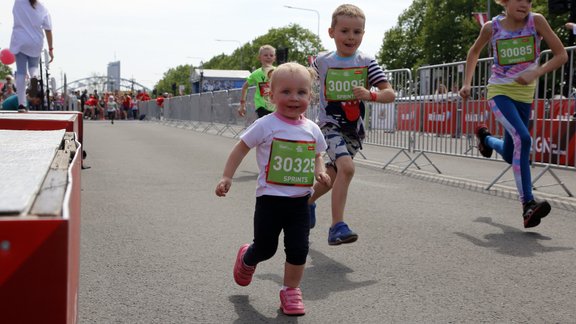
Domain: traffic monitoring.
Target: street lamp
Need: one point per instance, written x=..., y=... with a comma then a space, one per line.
x=306, y=9
x=239, y=46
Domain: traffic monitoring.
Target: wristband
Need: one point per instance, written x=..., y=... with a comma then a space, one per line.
x=242, y=101
x=373, y=96
x=51, y=48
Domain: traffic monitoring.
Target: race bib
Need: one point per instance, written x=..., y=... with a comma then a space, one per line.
x=264, y=88
x=291, y=163
x=341, y=81
x=516, y=50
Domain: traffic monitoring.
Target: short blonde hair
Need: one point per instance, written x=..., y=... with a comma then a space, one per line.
x=265, y=48
x=348, y=10
x=292, y=67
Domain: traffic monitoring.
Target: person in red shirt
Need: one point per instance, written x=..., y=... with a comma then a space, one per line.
x=91, y=105
x=160, y=101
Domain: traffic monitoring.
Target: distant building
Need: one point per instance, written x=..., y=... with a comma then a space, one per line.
x=113, y=82
x=215, y=80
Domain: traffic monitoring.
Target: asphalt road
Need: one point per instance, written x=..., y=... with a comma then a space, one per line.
x=158, y=246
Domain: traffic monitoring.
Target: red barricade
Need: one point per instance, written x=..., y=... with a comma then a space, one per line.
x=554, y=141
x=440, y=117
x=408, y=116
x=561, y=109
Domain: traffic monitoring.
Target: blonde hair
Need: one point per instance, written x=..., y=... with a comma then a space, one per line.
x=502, y=2
x=266, y=47
x=347, y=10
x=292, y=67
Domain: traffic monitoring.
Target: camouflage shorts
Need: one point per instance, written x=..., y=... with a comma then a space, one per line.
x=339, y=143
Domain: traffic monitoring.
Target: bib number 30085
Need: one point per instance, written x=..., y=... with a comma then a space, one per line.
x=291, y=163
x=516, y=50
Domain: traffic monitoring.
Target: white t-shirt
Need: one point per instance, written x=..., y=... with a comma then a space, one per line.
x=273, y=126
x=29, y=26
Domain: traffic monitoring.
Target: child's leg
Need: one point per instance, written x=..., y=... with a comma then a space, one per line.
x=293, y=275
x=321, y=189
x=341, y=183
x=267, y=228
x=296, y=240
x=515, y=148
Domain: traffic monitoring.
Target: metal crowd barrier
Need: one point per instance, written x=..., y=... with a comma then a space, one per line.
x=427, y=117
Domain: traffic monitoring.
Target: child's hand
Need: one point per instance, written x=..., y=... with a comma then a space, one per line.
x=323, y=178
x=223, y=187
x=465, y=92
x=361, y=93
x=527, y=77
x=242, y=110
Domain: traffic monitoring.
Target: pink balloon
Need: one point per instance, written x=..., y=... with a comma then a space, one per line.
x=6, y=57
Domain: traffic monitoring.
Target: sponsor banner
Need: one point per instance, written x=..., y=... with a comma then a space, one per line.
x=554, y=141
x=477, y=112
x=561, y=109
x=538, y=109
x=440, y=117
x=383, y=117
x=408, y=116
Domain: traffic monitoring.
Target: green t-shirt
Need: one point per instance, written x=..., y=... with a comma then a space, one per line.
x=262, y=84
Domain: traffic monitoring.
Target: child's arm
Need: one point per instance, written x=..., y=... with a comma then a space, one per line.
x=234, y=159
x=472, y=58
x=320, y=171
x=242, y=108
x=384, y=95
x=560, y=56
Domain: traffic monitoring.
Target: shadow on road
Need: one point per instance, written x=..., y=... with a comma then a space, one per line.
x=512, y=241
x=248, y=314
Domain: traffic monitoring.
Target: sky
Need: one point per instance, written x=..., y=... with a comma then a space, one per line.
x=150, y=37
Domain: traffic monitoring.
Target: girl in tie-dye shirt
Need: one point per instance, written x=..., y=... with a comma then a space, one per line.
x=515, y=41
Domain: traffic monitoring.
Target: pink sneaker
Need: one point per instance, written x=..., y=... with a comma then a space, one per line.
x=291, y=301
x=243, y=273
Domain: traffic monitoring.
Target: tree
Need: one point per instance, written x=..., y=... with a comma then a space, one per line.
x=433, y=32
x=4, y=71
x=179, y=75
x=300, y=42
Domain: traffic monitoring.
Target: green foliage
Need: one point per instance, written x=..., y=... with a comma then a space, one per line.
x=4, y=71
x=179, y=75
x=433, y=32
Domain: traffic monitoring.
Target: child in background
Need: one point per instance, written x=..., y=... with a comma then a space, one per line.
x=345, y=77
x=515, y=39
x=283, y=191
x=111, y=108
x=259, y=78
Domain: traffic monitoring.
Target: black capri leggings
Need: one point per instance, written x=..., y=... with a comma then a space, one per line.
x=272, y=215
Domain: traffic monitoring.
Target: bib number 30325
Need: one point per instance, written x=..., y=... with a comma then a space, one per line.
x=291, y=163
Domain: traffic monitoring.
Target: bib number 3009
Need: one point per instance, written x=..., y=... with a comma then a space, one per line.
x=291, y=163
x=340, y=82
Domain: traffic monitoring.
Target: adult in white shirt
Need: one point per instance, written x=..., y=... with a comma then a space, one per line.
x=31, y=22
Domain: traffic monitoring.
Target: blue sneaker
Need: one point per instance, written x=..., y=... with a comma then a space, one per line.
x=340, y=234
x=312, y=208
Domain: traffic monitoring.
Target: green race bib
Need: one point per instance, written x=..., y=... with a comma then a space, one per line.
x=341, y=81
x=516, y=50
x=291, y=163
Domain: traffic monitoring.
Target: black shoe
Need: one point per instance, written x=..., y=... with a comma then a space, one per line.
x=481, y=133
x=22, y=109
x=33, y=91
x=534, y=212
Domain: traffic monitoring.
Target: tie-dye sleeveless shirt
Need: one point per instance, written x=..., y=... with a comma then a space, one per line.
x=514, y=52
